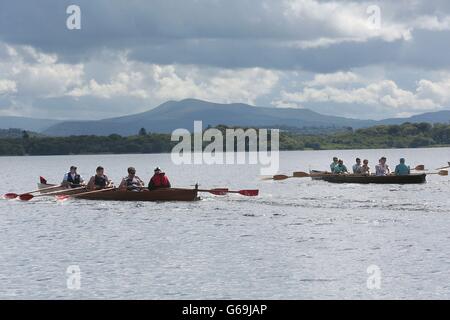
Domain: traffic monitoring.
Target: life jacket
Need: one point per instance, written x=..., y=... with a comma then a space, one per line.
x=73, y=181
x=160, y=181
x=132, y=183
x=101, y=181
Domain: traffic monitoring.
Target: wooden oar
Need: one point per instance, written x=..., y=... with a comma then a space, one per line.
x=419, y=167
x=27, y=196
x=441, y=173
x=446, y=167
x=15, y=195
x=298, y=174
x=65, y=196
x=224, y=191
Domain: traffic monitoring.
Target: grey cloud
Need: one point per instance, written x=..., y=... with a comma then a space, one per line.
x=230, y=34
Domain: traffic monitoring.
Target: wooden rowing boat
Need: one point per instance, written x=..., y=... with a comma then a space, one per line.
x=166, y=194
x=414, y=178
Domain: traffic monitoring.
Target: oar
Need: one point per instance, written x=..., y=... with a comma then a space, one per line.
x=65, y=196
x=27, y=196
x=224, y=191
x=278, y=177
x=419, y=167
x=441, y=173
x=15, y=195
x=446, y=167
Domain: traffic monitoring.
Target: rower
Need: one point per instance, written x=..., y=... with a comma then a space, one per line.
x=357, y=166
x=131, y=182
x=72, y=178
x=100, y=180
x=365, y=169
x=402, y=169
x=159, y=180
x=382, y=169
x=334, y=164
x=340, y=168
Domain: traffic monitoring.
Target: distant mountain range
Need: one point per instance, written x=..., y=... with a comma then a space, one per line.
x=29, y=124
x=181, y=114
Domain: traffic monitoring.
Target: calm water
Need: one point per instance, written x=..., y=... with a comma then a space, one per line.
x=298, y=240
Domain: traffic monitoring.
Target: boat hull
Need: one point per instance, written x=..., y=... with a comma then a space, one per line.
x=169, y=194
x=165, y=194
x=362, y=179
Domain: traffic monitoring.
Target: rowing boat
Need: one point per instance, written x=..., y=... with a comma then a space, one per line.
x=166, y=194
x=414, y=178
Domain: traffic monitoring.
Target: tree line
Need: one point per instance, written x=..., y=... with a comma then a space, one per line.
x=407, y=135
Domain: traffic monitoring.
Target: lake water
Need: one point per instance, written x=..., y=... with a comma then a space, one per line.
x=300, y=239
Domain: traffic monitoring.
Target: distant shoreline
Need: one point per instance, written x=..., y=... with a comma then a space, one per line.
x=407, y=135
x=118, y=154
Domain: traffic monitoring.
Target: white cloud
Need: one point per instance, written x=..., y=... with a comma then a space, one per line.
x=219, y=85
x=435, y=23
x=343, y=22
x=7, y=86
x=386, y=93
x=337, y=78
x=36, y=74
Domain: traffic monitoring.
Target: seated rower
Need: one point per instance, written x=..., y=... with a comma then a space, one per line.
x=159, y=180
x=357, y=166
x=100, y=180
x=340, y=168
x=382, y=169
x=131, y=182
x=72, y=178
x=365, y=169
x=334, y=164
x=402, y=169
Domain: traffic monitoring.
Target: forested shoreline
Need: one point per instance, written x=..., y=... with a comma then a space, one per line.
x=407, y=135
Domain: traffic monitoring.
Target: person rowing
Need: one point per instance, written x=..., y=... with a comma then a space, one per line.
x=131, y=182
x=100, y=180
x=365, y=169
x=340, y=168
x=334, y=164
x=357, y=166
x=72, y=178
x=402, y=169
x=159, y=180
x=382, y=169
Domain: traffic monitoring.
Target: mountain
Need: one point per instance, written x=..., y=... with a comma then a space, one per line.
x=30, y=124
x=431, y=117
x=182, y=114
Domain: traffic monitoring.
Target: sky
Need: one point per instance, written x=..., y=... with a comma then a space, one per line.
x=359, y=59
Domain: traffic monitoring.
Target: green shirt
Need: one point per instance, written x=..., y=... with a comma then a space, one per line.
x=402, y=170
x=340, y=168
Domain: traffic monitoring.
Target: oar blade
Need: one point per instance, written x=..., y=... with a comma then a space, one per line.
x=300, y=174
x=280, y=177
x=420, y=167
x=62, y=197
x=249, y=193
x=10, y=195
x=219, y=191
x=26, y=197
x=443, y=173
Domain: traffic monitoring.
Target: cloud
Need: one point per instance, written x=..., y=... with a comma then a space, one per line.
x=36, y=74
x=385, y=93
x=7, y=86
x=131, y=56
x=338, y=78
